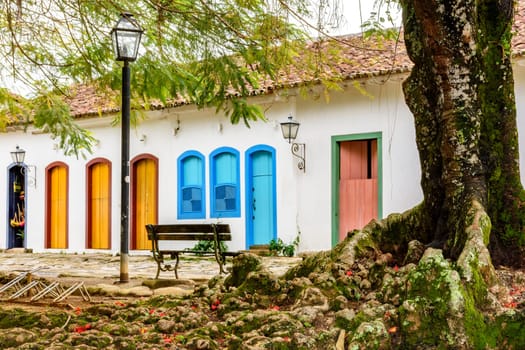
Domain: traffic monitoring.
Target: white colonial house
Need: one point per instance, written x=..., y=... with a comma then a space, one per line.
x=190, y=166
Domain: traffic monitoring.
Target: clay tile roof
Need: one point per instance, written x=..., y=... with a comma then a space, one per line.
x=354, y=58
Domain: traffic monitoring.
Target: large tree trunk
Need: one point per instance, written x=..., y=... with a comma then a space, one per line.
x=461, y=92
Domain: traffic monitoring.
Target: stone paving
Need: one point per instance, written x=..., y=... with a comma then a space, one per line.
x=97, y=268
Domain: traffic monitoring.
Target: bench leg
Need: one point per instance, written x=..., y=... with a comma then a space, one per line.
x=220, y=260
x=158, y=270
x=176, y=265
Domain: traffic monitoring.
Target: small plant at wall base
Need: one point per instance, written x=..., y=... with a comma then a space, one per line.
x=279, y=248
x=207, y=246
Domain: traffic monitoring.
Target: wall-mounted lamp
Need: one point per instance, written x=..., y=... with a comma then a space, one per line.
x=18, y=156
x=290, y=129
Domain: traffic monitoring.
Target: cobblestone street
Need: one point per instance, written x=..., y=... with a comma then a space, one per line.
x=103, y=270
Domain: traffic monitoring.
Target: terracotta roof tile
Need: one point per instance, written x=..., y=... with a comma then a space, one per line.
x=350, y=57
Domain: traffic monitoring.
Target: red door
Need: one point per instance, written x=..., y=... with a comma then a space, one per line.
x=358, y=190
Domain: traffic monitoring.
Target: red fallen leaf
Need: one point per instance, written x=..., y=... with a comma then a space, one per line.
x=510, y=305
x=194, y=307
x=349, y=273
x=392, y=330
x=215, y=304
x=162, y=314
x=80, y=329
x=151, y=311
x=287, y=339
x=167, y=340
x=275, y=307
x=78, y=310
x=396, y=268
x=119, y=303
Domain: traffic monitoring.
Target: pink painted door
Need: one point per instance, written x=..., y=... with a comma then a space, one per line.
x=358, y=190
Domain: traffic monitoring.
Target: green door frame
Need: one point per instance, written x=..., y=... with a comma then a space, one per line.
x=336, y=173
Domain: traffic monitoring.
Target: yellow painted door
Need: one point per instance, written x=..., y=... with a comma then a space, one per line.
x=145, y=201
x=99, y=201
x=58, y=208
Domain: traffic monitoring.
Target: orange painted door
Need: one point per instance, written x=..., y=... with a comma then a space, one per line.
x=358, y=187
x=57, y=201
x=100, y=204
x=144, y=204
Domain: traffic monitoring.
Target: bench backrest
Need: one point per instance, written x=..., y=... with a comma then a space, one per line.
x=189, y=232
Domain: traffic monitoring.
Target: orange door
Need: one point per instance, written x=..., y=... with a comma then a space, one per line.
x=358, y=190
x=99, y=201
x=144, y=204
x=57, y=207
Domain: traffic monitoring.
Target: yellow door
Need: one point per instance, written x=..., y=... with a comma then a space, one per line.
x=57, y=208
x=144, y=204
x=99, y=211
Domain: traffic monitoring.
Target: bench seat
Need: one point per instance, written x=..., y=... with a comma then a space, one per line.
x=216, y=233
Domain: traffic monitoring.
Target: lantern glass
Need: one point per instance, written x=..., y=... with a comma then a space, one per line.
x=18, y=155
x=290, y=129
x=126, y=37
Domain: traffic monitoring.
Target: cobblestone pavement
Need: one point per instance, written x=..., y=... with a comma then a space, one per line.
x=106, y=266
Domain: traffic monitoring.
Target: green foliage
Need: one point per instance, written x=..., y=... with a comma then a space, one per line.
x=209, y=53
x=208, y=246
x=52, y=116
x=278, y=247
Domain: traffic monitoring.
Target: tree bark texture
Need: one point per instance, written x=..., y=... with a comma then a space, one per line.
x=461, y=92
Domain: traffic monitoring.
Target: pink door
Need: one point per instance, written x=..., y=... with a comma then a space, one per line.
x=358, y=190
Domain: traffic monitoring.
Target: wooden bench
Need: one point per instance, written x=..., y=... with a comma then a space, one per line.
x=188, y=232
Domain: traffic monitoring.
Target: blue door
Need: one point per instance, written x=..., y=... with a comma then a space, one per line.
x=260, y=196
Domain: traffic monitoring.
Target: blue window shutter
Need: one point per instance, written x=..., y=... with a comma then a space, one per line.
x=224, y=183
x=190, y=185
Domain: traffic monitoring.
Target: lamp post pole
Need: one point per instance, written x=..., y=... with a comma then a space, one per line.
x=124, y=184
x=126, y=39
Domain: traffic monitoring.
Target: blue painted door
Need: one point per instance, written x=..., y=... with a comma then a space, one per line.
x=261, y=210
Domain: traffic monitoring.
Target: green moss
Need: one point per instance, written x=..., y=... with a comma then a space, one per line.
x=23, y=319
x=433, y=299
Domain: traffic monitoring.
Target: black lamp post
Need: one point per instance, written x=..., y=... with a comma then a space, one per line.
x=126, y=39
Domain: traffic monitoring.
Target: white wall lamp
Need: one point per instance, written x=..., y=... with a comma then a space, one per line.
x=29, y=171
x=290, y=129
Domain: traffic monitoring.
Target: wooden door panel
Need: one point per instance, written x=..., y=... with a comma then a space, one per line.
x=358, y=185
x=100, y=198
x=58, y=208
x=145, y=196
x=358, y=204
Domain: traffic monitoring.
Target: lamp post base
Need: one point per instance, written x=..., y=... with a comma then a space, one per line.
x=124, y=273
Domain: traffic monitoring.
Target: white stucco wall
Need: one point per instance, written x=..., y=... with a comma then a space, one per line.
x=303, y=199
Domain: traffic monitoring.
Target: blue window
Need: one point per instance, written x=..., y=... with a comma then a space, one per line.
x=224, y=183
x=191, y=193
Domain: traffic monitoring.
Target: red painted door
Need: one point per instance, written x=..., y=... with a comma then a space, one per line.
x=358, y=190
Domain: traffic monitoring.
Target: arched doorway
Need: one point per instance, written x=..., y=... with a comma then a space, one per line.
x=144, y=198
x=16, y=208
x=57, y=183
x=98, y=204
x=261, y=213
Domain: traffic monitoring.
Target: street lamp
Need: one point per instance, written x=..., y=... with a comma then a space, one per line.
x=18, y=155
x=126, y=39
x=290, y=129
